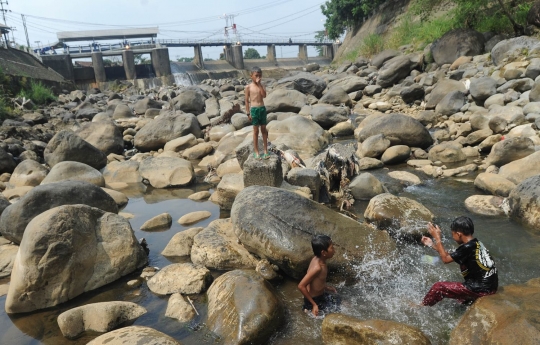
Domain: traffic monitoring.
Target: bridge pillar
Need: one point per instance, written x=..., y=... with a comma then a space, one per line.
x=198, y=59
x=328, y=52
x=227, y=53
x=99, y=68
x=237, y=57
x=160, y=61
x=335, y=47
x=128, y=59
x=302, y=52
x=271, y=53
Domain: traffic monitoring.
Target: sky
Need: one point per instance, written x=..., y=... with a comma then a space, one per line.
x=176, y=19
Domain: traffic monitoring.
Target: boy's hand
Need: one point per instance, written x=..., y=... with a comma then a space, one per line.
x=427, y=241
x=249, y=117
x=331, y=289
x=258, y=80
x=315, y=310
x=434, y=231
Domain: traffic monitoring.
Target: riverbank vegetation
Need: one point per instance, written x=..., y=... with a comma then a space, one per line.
x=424, y=21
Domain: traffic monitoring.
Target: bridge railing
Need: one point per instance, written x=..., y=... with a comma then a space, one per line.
x=242, y=41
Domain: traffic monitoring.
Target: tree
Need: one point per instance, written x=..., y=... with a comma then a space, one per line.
x=140, y=59
x=107, y=63
x=319, y=37
x=345, y=14
x=251, y=53
x=184, y=59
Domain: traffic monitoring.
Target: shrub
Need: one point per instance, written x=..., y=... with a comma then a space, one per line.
x=371, y=45
x=38, y=93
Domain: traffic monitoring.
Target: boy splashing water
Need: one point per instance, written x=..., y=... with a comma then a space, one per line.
x=313, y=285
x=256, y=110
x=477, y=266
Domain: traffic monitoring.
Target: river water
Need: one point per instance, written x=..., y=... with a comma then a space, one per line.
x=383, y=289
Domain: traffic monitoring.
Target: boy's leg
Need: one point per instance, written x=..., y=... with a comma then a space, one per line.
x=265, y=138
x=453, y=290
x=256, y=139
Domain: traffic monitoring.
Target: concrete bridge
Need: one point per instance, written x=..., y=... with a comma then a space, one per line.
x=158, y=50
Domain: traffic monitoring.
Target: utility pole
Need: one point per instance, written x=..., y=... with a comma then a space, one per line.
x=4, y=10
x=25, y=30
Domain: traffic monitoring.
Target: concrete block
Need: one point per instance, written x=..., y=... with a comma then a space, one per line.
x=264, y=172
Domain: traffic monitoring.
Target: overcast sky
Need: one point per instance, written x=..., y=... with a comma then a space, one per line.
x=268, y=19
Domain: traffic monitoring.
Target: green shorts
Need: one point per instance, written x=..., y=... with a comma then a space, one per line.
x=258, y=116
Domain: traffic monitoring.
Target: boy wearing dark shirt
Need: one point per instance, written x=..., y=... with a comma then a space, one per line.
x=477, y=266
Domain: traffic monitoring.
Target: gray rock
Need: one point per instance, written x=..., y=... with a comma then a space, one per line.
x=179, y=309
x=365, y=186
x=155, y=134
x=104, y=135
x=305, y=178
x=181, y=243
x=134, y=335
x=451, y=103
x=97, y=317
x=412, y=93
x=486, y=205
x=85, y=248
x=396, y=69
x=282, y=100
x=327, y=115
x=371, y=90
x=227, y=190
x=396, y=154
x=497, y=124
x=374, y=146
x=190, y=101
x=313, y=139
x=456, y=43
x=350, y=83
x=180, y=144
x=520, y=169
x=306, y=83
x=399, y=129
x=367, y=163
x=477, y=137
x=447, y=152
x=141, y=106
x=240, y=121
x=16, y=217
x=533, y=70
x=287, y=237
x=263, y=172
x=379, y=59
x=122, y=111
x=525, y=203
x=68, y=146
x=513, y=47
x=443, y=88
x=519, y=85
x=74, y=171
x=509, y=150
x=336, y=96
x=122, y=172
x=243, y=308
x=158, y=223
x=483, y=88
x=494, y=184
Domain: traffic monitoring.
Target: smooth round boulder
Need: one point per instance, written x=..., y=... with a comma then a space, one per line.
x=69, y=250
x=74, y=171
x=181, y=243
x=287, y=237
x=397, y=68
x=327, y=115
x=524, y=203
x=396, y=154
x=374, y=146
x=28, y=173
x=405, y=178
x=98, y=317
x=103, y=135
x=243, y=308
x=521, y=169
x=494, y=184
x=122, y=111
x=122, y=172
x=365, y=186
x=281, y=100
x=513, y=47
x=198, y=151
x=194, y=217
x=163, y=172
x=451, y=103
x=456, y=43
x=403, y=217
x=306, y=83
x=447, y=152
x=399, y=129
x=350, y=83
x=180, y=144
x=342, y=129
x=336, y=96
x=68, y=146
x=16, y=217
x=442, y=88
x=509, y=150
x=313, y=139
x=179, y=309
x=344, y=329
x=160, y=222
x=134, y=335
x=190, y=101
x=483, y=88
x=486, y=205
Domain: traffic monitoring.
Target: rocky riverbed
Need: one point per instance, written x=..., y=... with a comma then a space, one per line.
x=368, y=153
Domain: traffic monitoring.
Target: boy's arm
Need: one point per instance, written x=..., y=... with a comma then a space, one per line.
x=302, y=286
x=263, y=91
x=246, y=92
x=435, y=231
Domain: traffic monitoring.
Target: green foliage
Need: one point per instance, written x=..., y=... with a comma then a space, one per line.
x=184, y=59
x=344, y=14
x=38, y=93
x=140, y=59
x=319, y=37
x=251, y=53
x=371, y=45
x=419, y=33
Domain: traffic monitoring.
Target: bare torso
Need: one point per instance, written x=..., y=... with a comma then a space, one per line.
x=318, y=284
x=255, y=95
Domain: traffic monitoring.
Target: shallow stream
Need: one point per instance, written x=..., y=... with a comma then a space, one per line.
x=385, y=289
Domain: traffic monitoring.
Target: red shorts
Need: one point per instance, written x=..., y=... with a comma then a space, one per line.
x=454, y=290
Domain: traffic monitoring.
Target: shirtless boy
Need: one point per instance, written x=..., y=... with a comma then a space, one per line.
x=256, y=110
x=477, y=266
x=313, y=286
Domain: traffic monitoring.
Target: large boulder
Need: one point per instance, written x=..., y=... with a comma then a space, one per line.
x=190, y=101
x=97, y=317
x=306, y=83
x=28, y=173
x=514, y=47
x=7, y=163
x=142, y=105
x=166, y=127
x=521, y=169
x=509, y=150
x=447, y=152
x=456, y=43
x=217, y=247
x=327, y=115
x=287, y=237
x=122, y=172
x=483, y=88
x=507, y=317
x=243, y=308
x=184, y=278
x=525, y=203
x=134, y=335
x=104, y=135
x=227, y=190
x=74, y=171
x=313, y=138
x=69, y=250
x=350, y=83
x=339, y=329
x=16, y=217
x=163, y=172
x=336, y=96
x=282, y=100
x=451, y=103
x=379, y=59
x=396, y=69
x=442, y=88
x=365, y=186
x=399, y=129
x=374, y=146
x=494, y=184
x=396, y=154
x=403, y=217
x=68, y=146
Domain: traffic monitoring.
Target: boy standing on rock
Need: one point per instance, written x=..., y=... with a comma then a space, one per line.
x=256, y=111
x=313, y=285
x=477, y=266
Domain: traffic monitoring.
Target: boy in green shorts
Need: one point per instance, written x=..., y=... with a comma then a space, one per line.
x=256, y=110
